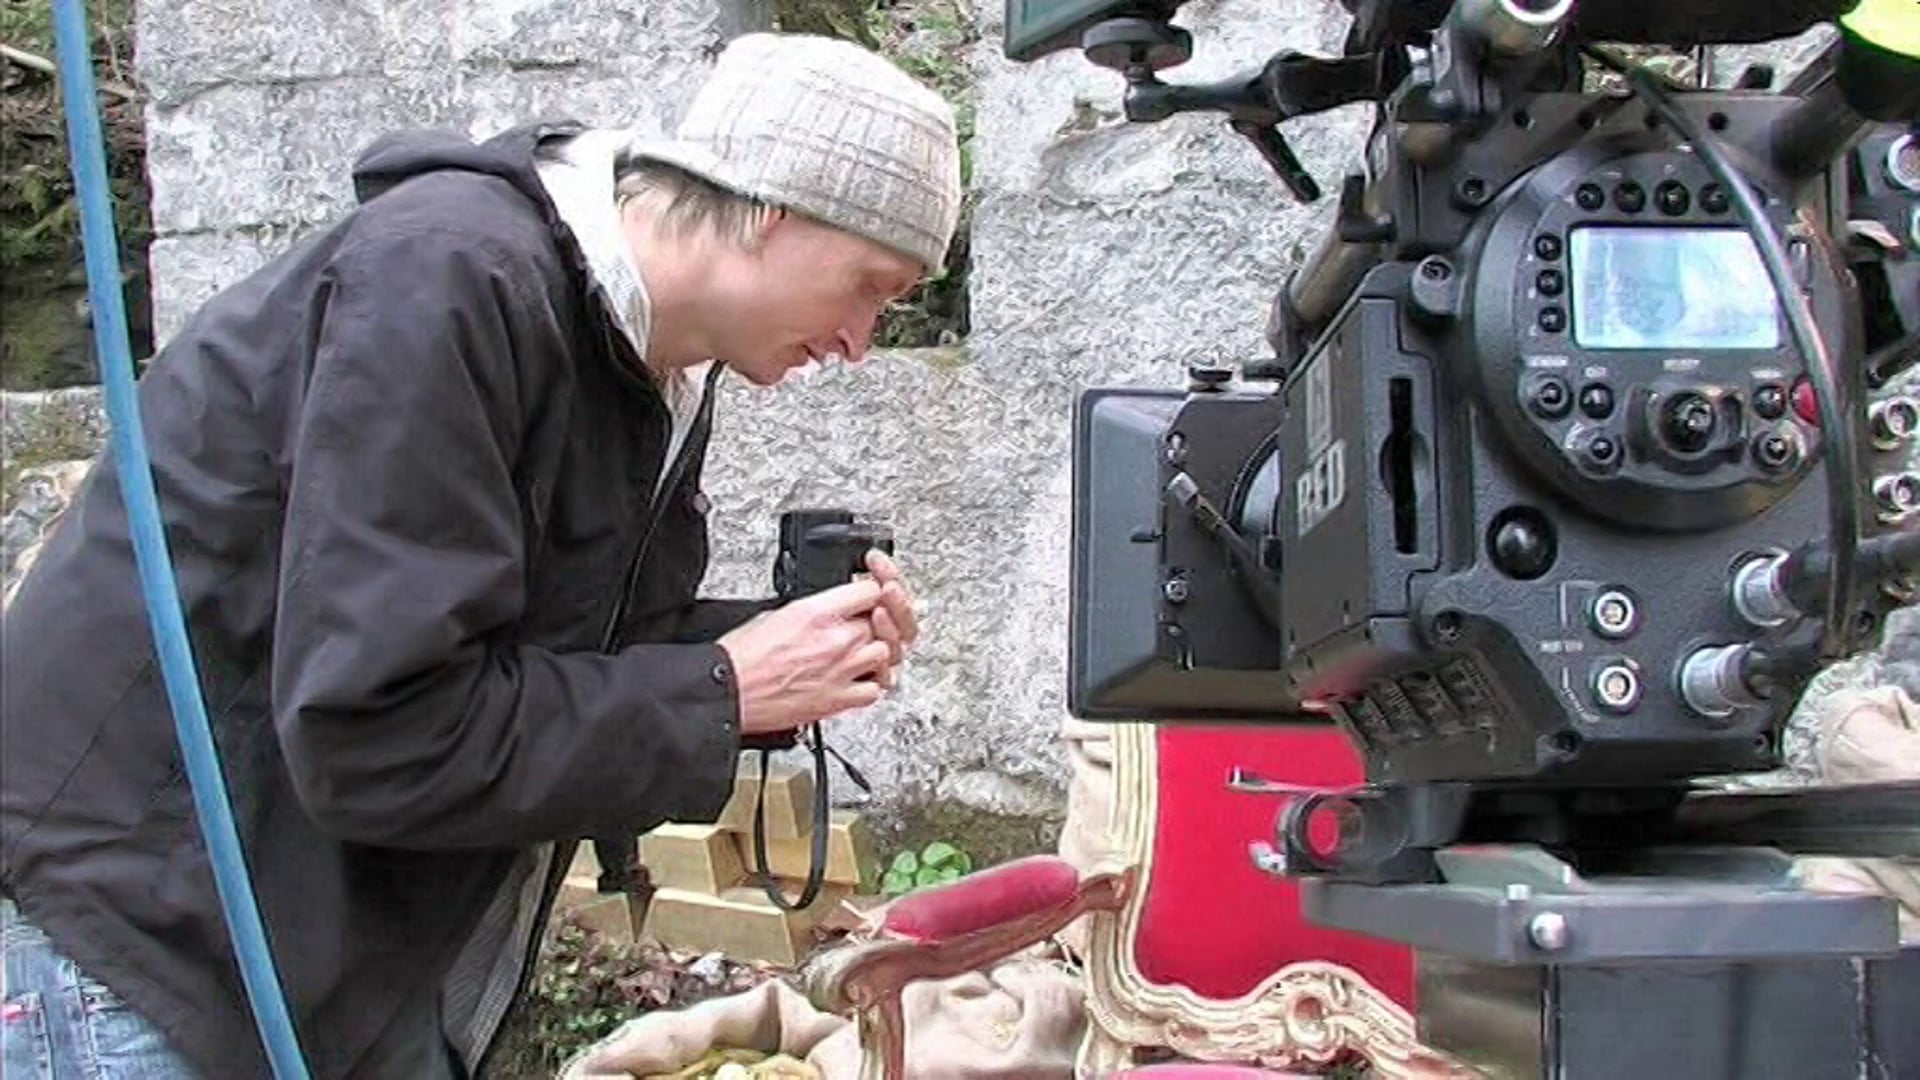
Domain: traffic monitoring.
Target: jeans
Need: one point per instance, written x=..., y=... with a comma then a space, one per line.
x=57, y=1022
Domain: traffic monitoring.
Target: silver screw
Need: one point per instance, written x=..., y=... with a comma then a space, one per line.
x=1617, y=686
x=1548, y=931
x=1176, y=591
x=1615, y=614
x=1266, y=859
x=1176, y=452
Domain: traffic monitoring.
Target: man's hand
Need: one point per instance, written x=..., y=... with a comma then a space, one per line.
x=813, y=658
x=894, y=621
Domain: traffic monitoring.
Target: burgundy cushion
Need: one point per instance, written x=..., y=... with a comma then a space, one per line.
x=985, y=899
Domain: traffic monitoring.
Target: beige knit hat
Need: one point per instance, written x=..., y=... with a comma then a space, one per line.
x=828, y=129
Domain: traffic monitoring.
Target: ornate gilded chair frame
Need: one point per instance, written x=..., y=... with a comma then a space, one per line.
x=1310, y=1012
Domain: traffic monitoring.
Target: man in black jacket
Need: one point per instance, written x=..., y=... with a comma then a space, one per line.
x=432, y=488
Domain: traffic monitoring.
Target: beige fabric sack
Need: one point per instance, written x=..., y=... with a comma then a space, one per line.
x=1866, y=737
x=1022, y=1019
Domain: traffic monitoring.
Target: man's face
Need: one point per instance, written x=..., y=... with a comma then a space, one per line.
x=810, y=292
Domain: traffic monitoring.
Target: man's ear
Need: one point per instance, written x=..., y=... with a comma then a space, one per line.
x=775, y=219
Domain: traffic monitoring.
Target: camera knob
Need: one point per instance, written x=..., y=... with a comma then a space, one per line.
x=1202, y=379
x=1687, y=422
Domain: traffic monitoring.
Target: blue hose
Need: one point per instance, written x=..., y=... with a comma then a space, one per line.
x=87, y=152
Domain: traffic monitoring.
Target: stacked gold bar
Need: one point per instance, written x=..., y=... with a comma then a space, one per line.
x=706, y=898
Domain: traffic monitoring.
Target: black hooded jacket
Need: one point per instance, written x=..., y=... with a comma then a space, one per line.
x=408, y=476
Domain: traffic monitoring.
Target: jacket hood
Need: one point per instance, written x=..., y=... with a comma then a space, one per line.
x=514, y=155
x=511, y=155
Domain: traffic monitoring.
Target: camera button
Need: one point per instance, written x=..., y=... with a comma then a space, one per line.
x=1549, y=282
x=1551, y=398
x=1596, y=400
x=1673, y=198
x=1602, y=453
x=1552, y=320
x=1630, y=197
x=1547, y=246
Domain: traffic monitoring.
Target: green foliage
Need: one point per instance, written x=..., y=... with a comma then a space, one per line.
x=579, y=994
x=586, y=984
x=936, y=864
x=40, y=250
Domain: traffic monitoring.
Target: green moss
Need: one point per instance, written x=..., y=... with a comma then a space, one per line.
x=40, y=249
x=988, y=838
x=40, y=331
x=932, y=41
x=55, y=434
x=853, y=20
x=943, y=357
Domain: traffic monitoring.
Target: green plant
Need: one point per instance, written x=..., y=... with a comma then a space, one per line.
x=46, y=339
x=582, y=989
x=586, y=984
x=937, y=863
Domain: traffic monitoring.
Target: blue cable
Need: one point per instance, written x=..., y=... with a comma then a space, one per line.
x=87, y=152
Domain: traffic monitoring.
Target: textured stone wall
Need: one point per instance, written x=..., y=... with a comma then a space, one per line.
x=258, y=107
x=1103, y=253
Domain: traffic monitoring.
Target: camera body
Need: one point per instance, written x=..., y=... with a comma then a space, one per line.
x=822, y=548
x=818, y=548
x=1496, y=514
x=1537, y=497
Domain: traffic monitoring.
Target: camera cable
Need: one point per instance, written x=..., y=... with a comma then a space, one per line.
x=1843, y=471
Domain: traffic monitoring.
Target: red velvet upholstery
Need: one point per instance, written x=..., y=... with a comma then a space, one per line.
x=1213, y=922
x=985, y=900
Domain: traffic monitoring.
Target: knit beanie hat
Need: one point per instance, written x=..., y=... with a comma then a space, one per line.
x=828, y=129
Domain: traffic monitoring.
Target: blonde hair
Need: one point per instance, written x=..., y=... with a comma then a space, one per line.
x=682, y=204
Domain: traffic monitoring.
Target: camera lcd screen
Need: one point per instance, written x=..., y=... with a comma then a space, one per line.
x=1035, y=28
x=1654, y=288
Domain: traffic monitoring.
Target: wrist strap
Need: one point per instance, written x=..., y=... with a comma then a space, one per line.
x=822, y=809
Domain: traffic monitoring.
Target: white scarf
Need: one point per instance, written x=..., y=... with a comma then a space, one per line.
x=580, y=183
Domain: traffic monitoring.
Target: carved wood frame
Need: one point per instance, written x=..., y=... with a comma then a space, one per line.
x=1308, y=1013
